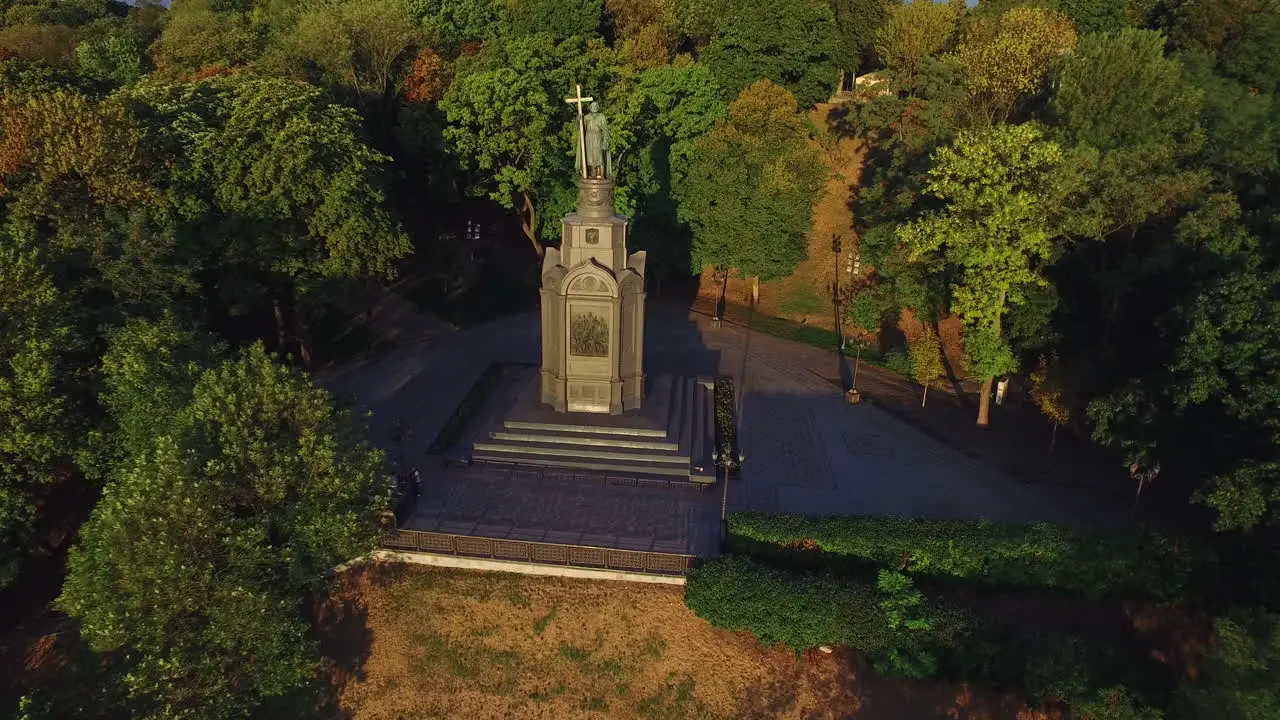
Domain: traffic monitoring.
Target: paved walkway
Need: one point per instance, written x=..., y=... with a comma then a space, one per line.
x=807, y=451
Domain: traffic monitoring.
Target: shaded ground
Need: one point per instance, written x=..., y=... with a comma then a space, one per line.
x=806, y=450
x=477, y=645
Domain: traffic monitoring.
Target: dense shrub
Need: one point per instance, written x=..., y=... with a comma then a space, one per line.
x=896, y=360
x=1242, y=682
x=1058, y=667
x=797, y=610
x=907, y=614
x=1137, y=563
x=726, y=420
x=803, y=611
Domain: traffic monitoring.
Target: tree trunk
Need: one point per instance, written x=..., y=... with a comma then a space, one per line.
x=1053, y=437
x=925, y=396
x=529, y=225
x=1133, y=514
x=755, y=291
x=984, y=403
x=303, y=332
x=278, y=312
x=721, y=306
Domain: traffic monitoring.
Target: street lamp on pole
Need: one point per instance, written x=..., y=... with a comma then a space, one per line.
x=835, y=288
x=726, y=463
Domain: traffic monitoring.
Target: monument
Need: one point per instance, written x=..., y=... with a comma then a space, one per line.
x=589, y=409
x=593, y=291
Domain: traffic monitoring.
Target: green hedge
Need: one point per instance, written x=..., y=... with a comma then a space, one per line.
x=1138, y=563
x=802, y=610
x=726, y=419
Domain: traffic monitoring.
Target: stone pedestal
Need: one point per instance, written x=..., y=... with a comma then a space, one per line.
x=593, y=310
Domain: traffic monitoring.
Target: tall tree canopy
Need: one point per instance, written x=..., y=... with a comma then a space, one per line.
x=1008, y=58
x=750, y=189
x=911, y=33
x=508, y=122
x=37, y=423
x=790, y=42
x=995, y=231
x=244, y=490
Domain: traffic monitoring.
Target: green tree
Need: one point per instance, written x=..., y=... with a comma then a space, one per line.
x=1241, y=134
x=212, y=534
x=358, y=45
x=1212, y=365
x=563, y=19
x=749, y=192
x=1253, y=55
x=450, y=24
x=51, y=44
x=1096, y=15
x=856, y=23
x=195, y=37
x=508, y=123
x=648, y=31
x=276, y=186
x=1138, y=121
x=925, y=353
x=661, y=117
x=1240, y=682
x=36, y=418
x=1049, y=392
x=790, y=42
x=911, y=33
x=994, y=232
x=1006, y=59
x=113, y=57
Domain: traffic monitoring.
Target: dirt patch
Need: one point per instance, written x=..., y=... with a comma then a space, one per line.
x=465, y=644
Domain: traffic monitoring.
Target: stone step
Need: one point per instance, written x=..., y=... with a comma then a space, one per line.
x=676, y=410
x=588, y=429
x=606, y=441
x=688, y=403
x=620, y=468
x=565, y=452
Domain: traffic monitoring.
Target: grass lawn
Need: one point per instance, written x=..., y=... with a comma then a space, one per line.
x=436, y=643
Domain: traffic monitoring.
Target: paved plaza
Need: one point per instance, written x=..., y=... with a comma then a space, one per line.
x=807, y=450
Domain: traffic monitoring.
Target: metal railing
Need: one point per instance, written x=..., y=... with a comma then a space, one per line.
x=582, y=556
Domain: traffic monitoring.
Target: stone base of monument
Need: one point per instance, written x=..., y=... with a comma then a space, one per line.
x=670, y=437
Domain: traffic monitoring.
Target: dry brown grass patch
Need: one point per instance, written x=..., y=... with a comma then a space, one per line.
x=474, y=645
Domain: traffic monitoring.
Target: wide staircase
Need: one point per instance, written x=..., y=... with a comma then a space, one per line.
x=670, y=437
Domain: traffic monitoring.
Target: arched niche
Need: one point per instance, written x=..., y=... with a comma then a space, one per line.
x=590, y=280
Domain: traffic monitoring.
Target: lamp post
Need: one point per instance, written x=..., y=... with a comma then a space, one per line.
x=726, y=463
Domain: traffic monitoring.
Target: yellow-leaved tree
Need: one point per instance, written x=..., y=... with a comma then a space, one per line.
x=1049, y=394
x=1008, y=58
x=926, y=359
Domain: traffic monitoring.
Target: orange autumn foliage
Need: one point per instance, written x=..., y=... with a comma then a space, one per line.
x=62, y=135
x=427, y=80
x=15, y=141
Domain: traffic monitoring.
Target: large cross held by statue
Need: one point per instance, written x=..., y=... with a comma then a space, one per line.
x=577, y=99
